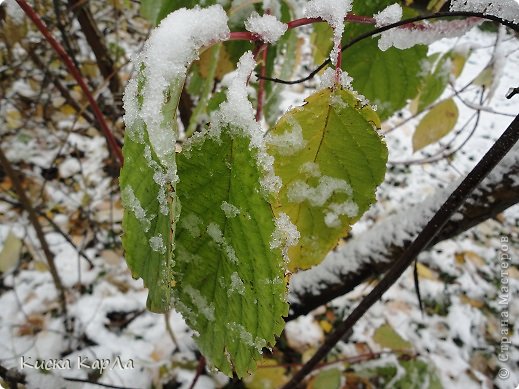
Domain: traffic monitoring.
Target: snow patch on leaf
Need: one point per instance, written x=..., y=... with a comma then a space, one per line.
x=300, y=191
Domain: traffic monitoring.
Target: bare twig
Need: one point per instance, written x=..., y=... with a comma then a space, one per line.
x=401, y=23
x=500, y=148
x=112, y=143
x=33, y=217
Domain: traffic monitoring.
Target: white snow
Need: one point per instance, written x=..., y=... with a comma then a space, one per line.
x=291, y=141
x=214, y=231
x=407, y=37
x=389, y=15
x=333, y=12
x=157, y=244
x=237, y=284
x=200, y=302
x=504, y=9
x=172, y=46
x=311, y=169
x=299, y=191
x=132, y=203
x=348, y=208
x=191, y=223
x=246, y=336
x=229, y=210
x=285, y=234
x=268, y=27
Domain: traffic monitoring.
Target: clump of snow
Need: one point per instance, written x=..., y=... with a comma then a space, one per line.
x=348, y=208
x=157, y=244
x=285, y=234
x=237, y=111
x=238, y=114
x=504, y=9
x=200, y=302
x=163, y=63
x=329, y=77
x=214, y=231
x=237, y=284
x=290, y=142
x=132, y=203
x=406, y=37
x=333, y=12
x=389, y=15
x=230, y=210
x=300, y=191
x=246, y=337
x=311, y=169
x=268, y=27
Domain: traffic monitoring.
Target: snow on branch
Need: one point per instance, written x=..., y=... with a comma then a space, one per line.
x=374, y=251
x=504, y=9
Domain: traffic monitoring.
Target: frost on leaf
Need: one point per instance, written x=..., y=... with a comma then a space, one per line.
x=149, y=175
x=227, y=228
x=331, y=182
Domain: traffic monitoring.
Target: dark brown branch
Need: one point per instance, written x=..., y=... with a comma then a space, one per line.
x=33, y=217
x=97, y=43
x=307, y=291
x=489, y=161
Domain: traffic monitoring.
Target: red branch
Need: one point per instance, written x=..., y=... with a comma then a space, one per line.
x=112, y=143
x=248, y=36
x=261, y=87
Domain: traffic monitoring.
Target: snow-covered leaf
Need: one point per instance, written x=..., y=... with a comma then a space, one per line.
x=437, y=123
x=149, y=175
x=230, y=282
x=330, y=159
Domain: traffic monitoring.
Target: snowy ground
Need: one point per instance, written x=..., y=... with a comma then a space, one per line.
x=458, y=336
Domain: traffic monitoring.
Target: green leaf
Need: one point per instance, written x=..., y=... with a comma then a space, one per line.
x=327, y=379
x=230, y=283
x=321, y=41
x=148, y=221
x=435, y=82
x=387, y=78
x=330, y=159
x=437, y=123
x=387, y=337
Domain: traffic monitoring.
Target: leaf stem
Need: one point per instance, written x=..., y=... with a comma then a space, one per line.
x=112, y=142
x=500, y=148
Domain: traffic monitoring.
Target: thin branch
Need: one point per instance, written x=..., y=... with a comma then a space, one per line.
x=497, y=152
x=401, y=23
x=33, y=217
x=96, y=42
x=112, y=143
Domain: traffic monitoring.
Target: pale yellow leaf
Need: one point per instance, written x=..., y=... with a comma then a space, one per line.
x=437, y=123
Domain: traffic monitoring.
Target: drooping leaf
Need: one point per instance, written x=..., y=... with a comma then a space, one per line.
x=148, y=221
x=437, y=123
x=387, y=337
x=330, y=159
x=435, y=82
x=230, y=283
x=149, y=174
x=321, y=42
x=387, y=78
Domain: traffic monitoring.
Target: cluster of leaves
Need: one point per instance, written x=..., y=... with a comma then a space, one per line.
x=215, y=257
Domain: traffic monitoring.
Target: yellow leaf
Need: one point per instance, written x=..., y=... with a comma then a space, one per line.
x=425, y=272
x=10, y=253
x=387, y=337
x=268, y=375
x=13, y=119
x=458, y=61
x=438, y=122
